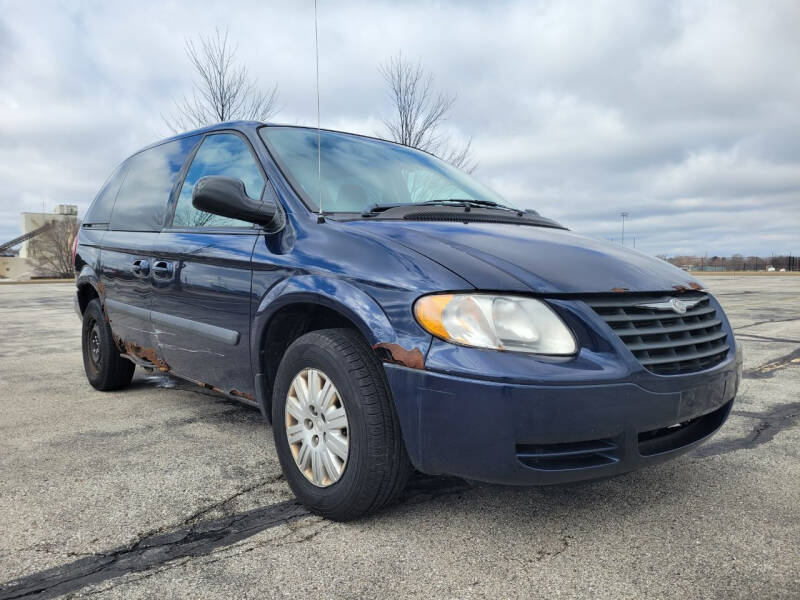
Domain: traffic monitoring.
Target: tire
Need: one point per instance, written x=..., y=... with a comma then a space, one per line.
x=105, y=367
x=377, y=467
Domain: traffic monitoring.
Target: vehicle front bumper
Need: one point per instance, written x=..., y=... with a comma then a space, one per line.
x=544, y=434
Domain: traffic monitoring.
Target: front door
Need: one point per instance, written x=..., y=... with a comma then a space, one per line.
x=201, y=275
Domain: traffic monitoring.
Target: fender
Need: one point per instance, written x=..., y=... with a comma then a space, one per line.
x=87, y=276
x=337, y=294
x=352, y=302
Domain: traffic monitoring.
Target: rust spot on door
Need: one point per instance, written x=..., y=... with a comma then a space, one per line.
x=619, y=290
x=397, y=354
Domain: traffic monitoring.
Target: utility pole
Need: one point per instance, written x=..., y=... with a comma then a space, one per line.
x=624, y=215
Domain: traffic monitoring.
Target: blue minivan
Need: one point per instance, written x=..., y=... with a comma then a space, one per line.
x=386, y=312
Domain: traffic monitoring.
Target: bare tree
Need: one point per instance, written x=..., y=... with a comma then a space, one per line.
x=223, y=90
x=420, y=111
x=52, y=249
x=461, y=159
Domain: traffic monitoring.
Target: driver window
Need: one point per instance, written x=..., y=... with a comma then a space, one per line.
x=225, y=155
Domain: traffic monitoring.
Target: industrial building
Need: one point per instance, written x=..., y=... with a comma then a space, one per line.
x=16, y=261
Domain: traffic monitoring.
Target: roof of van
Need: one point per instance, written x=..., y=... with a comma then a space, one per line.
x=214, y=127
x=240, y=125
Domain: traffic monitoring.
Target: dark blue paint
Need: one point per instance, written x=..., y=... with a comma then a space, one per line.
x=470, y=428
x=118, y=252
x=210, y=283
x=465, y=411
x=531, y=259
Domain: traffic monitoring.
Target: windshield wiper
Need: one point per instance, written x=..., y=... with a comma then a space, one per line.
x=467, y=203
x=377, y=207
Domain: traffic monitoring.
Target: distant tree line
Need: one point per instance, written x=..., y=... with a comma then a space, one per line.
x=737, y=262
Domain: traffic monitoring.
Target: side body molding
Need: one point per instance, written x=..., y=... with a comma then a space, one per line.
x=218, y=334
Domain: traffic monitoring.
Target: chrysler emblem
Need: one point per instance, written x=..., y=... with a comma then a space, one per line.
x=677, y=306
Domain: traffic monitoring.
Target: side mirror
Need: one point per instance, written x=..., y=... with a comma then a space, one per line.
x=226, y=197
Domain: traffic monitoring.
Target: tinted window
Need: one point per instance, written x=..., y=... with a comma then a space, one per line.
x=100, y=210
x=225, y=155
x=142, y=200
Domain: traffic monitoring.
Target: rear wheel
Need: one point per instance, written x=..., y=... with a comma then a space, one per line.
x=105, y=367
x=336, y=432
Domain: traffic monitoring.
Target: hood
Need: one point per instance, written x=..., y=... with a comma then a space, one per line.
x=493, y=256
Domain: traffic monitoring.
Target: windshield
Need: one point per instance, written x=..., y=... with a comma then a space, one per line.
x=359, y=173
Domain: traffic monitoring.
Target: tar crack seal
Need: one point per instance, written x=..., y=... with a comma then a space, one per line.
x=193, y=538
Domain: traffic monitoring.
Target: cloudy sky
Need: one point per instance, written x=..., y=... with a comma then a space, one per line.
x=685, y=114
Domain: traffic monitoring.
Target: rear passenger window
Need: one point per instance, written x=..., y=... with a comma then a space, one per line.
x=225, y=155
x=100, y=210
x=150, y=175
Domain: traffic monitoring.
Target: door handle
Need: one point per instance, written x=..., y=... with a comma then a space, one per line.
x=162, y=269
x=141, y=267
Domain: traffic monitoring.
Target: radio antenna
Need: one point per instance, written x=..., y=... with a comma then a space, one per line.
x=321, y=215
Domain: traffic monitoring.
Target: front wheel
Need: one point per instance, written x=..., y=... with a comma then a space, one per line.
x=336, y=432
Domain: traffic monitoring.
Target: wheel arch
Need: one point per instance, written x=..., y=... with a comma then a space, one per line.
x=89, y=287
x=307, y=303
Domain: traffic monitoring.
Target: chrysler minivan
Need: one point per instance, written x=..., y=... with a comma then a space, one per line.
x=387, y=312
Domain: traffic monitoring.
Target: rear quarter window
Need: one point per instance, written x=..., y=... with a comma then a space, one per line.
x=150, y=175
x=100, y=210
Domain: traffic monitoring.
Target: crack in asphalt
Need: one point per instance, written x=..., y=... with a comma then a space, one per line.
x=769, y=369
x=228, y=552
x=151, y=551
x=765, y=323
x=192, y=538
x=770, y=423
x=759, y=338
x=541, y=554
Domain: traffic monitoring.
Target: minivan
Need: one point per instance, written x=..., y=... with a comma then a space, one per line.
x=388, y=313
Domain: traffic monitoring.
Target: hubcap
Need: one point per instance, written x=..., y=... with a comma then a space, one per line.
x=316, y=427
x=94, y=344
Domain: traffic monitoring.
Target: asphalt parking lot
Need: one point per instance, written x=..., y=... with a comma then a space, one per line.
x=164, y=490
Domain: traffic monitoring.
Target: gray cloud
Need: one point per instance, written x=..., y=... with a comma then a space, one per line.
x=684, y=114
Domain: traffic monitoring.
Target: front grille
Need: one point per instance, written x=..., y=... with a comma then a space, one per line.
x=664, y=341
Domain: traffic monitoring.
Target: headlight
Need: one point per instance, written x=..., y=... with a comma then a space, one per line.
x=497, y=322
